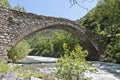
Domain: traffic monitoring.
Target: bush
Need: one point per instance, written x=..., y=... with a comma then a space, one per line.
x=73, y=64
x=19, y=51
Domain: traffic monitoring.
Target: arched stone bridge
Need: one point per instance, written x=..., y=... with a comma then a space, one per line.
x=15, y=25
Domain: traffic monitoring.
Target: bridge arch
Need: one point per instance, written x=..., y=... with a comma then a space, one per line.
x=15, y=25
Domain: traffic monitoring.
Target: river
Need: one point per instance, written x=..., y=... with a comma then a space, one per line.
x=46, y=67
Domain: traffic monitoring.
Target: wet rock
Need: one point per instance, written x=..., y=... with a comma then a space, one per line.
x=33, y=78
x=9, y=76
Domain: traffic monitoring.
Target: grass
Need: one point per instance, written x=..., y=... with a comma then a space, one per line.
x=4, y=67
x=26, y=73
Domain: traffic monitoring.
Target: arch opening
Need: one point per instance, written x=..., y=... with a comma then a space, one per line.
x=69, y=29
x=47, y=42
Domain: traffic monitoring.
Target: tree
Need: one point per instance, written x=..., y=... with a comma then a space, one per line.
x=74, y=2
x=49, y=42
x=104, y=19
x=20, y=51
x=72, y=65
x=5, y=3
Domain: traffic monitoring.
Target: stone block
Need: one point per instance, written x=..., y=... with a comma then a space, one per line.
x=9, y=76
x=2, y=37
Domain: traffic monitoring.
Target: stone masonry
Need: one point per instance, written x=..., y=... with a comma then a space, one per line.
x=15, y=25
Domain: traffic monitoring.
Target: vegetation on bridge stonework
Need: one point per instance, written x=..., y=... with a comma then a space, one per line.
x=7, y=4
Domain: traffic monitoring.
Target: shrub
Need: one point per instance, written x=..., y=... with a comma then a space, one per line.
x=19, y=51
x=73, y=64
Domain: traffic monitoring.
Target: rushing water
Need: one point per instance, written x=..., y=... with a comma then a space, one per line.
x=46, y=66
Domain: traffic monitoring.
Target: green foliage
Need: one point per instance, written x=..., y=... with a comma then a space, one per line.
x=5, y=3
x=26, y=73
x=105, y=19
x=19, y=51
x=49, y=42
x=113, y=51
x=73, y=64
x=3, y=67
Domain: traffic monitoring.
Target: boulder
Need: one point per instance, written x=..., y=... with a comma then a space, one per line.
x=9, y=76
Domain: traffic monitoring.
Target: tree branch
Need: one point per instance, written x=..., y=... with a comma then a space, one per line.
x=74, y=2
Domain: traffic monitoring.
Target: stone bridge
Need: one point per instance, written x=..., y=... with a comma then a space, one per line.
x=15, y=25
